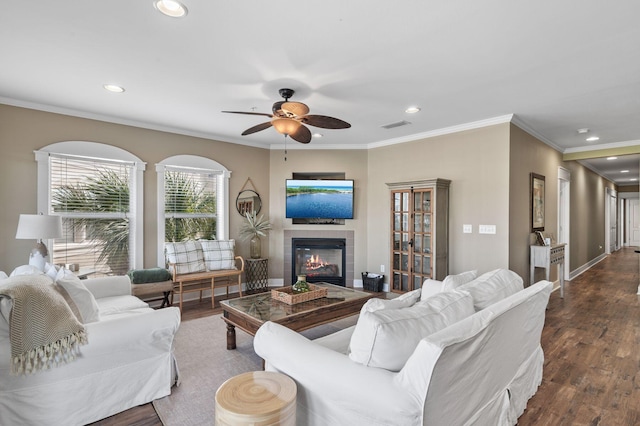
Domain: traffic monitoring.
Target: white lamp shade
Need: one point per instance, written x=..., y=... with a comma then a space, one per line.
x=38, y=227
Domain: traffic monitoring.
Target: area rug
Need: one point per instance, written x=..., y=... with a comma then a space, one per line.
x=205, y=363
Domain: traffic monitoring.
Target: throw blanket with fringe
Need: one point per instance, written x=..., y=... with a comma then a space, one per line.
x=43, y=330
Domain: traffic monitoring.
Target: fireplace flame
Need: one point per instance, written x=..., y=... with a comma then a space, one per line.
x=315, y=262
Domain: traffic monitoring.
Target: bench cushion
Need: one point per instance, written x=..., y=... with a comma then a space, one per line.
x=186, y=255
x=150, y=275
x=219, y=254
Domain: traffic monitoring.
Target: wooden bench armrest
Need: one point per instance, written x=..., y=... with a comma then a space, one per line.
x=239, y=258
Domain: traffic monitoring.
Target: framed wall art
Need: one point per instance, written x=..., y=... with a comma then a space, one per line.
x=537, y=202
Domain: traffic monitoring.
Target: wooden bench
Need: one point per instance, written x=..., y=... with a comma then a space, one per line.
x=163, y=287
x=200, y=281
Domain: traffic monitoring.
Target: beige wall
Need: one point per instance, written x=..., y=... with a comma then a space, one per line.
x=489, y=169
x=529, y=155
x=353, y=163
x=587, y=214
x=477, y=163
x=23, y=130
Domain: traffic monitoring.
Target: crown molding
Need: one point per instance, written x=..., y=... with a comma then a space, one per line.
x=123, y=121
x=443, y=131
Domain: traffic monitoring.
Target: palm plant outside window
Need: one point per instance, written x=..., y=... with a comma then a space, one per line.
x=190, y=204
x=93, y=198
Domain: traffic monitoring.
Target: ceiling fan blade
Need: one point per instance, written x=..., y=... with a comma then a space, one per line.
x=325, y=122
x=298, y=109
x=257, y=128
x=249, y=113
x=302, y=135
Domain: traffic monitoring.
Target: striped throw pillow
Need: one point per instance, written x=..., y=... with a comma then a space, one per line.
x=186, y=255
x=219, y=254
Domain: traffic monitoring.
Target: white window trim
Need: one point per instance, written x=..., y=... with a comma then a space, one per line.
x=98, y=151
x=222, y=206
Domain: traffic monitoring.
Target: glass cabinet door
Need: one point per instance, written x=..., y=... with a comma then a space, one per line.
x=410, y=239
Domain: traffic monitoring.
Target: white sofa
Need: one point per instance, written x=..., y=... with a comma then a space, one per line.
x=480, y=370
x=128, y=361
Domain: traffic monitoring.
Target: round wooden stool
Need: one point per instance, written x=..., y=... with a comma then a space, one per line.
x=257, y=398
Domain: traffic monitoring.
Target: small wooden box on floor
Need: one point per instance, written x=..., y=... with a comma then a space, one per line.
x=256, y=398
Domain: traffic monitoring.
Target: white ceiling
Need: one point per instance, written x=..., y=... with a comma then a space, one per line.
x=555, y=66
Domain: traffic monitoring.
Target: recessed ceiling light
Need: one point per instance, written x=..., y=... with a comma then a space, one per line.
x=612, y=158
x=583, y=131
x=624, y=171
x=412, y=110
x=113, y=88
x=171, y=8
x=592, y=139
x=318, y=135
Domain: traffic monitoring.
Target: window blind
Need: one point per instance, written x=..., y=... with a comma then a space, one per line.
x=93, y=198
x=190, y=203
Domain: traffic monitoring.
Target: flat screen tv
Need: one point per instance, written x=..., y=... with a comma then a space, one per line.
x=321, y=199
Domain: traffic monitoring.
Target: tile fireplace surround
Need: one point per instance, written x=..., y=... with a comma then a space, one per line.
x=290, y=234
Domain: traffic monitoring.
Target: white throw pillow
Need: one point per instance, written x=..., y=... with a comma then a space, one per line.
x=51, y=270
x=429, y=288
x=79, y=298
x=26, y=270
x=451, y=282
x=492, y=287
x=387, y=338
x=186, y=255
x=3, y=275
x=403, y=301
x=219, y=254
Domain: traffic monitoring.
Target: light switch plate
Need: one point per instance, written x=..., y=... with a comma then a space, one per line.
x=467, y=229
x=487, y=229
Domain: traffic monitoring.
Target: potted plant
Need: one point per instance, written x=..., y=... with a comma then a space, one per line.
x=254, y=227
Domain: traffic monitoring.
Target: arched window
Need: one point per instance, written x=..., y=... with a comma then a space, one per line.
x=193, y=200
x=97, y=190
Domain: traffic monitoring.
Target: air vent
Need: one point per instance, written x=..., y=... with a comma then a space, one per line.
x=397, y=124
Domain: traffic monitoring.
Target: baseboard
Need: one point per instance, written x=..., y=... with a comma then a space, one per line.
x=586, y=266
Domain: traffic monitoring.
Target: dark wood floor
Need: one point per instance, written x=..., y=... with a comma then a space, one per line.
x=591, y=342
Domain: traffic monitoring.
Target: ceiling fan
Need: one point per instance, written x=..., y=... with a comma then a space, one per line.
x=289, y=118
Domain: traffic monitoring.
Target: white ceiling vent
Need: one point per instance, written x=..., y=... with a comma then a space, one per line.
x=396, y=124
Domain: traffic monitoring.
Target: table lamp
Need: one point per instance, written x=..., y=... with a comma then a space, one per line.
x=38, y=227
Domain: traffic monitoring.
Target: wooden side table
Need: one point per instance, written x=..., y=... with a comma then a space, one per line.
x=544, y=257
x=256, y=398
x=257, y=273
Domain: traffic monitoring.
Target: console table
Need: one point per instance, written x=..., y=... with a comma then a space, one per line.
x=257, y=272
x=544, y=257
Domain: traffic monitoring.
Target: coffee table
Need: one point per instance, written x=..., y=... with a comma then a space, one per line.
x=248, y=313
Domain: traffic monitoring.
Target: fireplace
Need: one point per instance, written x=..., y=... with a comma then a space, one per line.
x=320, y=259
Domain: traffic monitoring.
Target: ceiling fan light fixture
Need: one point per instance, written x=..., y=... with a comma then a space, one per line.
x=171, y=8
x=286, y=126
x=295, y=109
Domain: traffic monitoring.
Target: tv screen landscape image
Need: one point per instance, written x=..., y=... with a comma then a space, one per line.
x=322, y=199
